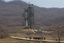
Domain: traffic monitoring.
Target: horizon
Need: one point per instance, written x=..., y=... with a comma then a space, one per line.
x=46, y=3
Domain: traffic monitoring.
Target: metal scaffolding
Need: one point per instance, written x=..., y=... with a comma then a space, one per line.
x=29, y=16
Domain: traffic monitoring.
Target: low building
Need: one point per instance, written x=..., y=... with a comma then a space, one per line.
x=36, y=35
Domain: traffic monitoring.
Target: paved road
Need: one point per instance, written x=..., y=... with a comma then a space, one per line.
x=19, y=38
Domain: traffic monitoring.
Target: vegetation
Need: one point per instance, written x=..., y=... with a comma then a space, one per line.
x=11, y=17
x=8, y=40
x=3, y=33
x=11, y=14
x=58, y=32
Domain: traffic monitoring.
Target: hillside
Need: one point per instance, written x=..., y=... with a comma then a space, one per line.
x=11, y=14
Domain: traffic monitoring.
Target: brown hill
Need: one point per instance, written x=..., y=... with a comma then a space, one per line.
x=11, y=14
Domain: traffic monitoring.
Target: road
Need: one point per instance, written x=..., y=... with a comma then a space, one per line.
x=19, y=38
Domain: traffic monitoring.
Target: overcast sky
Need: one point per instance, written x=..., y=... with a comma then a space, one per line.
x=46, y=3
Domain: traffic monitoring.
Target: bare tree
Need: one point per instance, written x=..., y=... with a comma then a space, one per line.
x=58, y=32
x=3, y=33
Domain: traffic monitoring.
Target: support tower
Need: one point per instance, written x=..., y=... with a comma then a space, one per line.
x=29, y=16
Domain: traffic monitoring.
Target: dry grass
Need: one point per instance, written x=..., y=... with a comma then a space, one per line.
x=9, y=40
x=19, y=35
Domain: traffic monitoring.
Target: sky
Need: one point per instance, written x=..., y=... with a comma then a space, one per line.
x=46, y=3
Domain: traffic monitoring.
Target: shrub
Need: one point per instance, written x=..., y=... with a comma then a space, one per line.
x=3, y=33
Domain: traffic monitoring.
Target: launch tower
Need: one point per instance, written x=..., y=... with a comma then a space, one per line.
x=29, y=16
